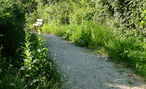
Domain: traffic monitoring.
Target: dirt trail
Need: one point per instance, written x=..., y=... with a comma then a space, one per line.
x=88, y=71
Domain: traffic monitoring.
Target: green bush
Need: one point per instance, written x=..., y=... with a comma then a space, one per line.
x=24, y=63
x=117, y=26
x=128, y=48
x=11, y=78
x=85, y=36
x=12, y=21
x=143, y=22
x=39, y=69
x=72, y=32
x=124, y=14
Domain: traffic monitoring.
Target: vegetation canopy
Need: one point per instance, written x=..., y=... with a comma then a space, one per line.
x=113, y=27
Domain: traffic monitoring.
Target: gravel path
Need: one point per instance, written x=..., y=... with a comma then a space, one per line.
x=84, y=70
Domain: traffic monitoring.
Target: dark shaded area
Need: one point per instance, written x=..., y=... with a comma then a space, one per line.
x=12, y=21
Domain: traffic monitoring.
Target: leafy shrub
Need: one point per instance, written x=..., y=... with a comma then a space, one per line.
x=54, y=29
x=128, y=48
x=100, y=35
x=117, y=26
x=85, y=36
x=11, y=78
x=124, y=14
x=72, y=32
x=12, y=34
x=25, y=67
x=39, y=69
x=143, y=22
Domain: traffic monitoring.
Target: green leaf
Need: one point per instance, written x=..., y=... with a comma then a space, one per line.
x=1, y=70
x=12, y=84
x=142, y=22
x=144, y=11
x=1, y=81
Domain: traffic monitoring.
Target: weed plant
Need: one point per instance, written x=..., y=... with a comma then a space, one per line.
x=126, y=46
x=38, y=70
x=104, y=25
x=26, y=67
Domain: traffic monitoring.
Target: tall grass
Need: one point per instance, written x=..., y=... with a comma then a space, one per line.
x=29, y=66
x=38, y=70
x=54, y=28
x=126, y=46
x=102, y=25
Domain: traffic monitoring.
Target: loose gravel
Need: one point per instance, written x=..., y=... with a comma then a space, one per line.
x=84, y=70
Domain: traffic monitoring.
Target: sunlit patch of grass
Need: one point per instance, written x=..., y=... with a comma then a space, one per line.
x=117, y=45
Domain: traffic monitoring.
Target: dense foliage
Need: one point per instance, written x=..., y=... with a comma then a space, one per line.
x=11, y=29
x=24, y=63
x=124, y=14
x=116, y=27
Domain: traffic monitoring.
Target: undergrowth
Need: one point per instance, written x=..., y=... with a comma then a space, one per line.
x=38, y=70
x=116, y=27
x=126, y=46
x=24, y=63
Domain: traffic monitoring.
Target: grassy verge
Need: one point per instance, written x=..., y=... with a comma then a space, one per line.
x=38, y=71
x=121, y=45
